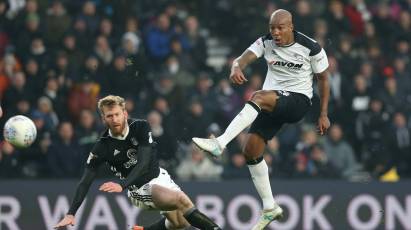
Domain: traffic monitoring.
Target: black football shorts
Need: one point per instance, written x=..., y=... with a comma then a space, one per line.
x=290, y=108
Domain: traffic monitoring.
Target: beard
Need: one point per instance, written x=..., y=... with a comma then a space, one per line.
x=118, y=130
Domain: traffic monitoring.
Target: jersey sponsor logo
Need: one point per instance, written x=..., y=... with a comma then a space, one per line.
x=134, y=141
x=286, y=64
x=132, y=156
x=91, y=156
x=116, y=152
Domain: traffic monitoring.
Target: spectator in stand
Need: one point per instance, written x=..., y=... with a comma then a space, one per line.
x=166, y=143
x=371, y=127
x=10, y=165
x=30, y=22
x=400, y=144
x=197, y=166
x=64, y=155
x=45, y=110
x=357, y=12
x=347, y=56
x=103, y=51
x=90, y=17
x=106, y=30
x=274, y=158
x=35, y=79
x=166, y=87
x=391, y=96
x=82, y=96
x=357, y=101
x=338, y=23
x=57, y=95
x=236, y=168
x=405, y=25
x=341, y=154
x=87, y=131
x=75, y=55
x=402, y=75
x=228, y=102
x=204, y=93
x=57, y=23
x=18, y=90
x=197, y=42
x=303, y=17
x=159, y=38
x=170, y=120
x=195, y=122
x=337, y=84
x=319, y=166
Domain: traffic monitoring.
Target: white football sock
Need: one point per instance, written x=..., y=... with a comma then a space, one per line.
x=259, y=174
x=243, y=119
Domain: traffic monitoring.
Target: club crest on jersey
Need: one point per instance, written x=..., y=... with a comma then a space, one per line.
x=134, y=141
x=132, y=156
x=286, y=64
x=299, y=57
x=284, y=93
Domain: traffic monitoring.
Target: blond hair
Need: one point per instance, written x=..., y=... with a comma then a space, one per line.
x=110, y=101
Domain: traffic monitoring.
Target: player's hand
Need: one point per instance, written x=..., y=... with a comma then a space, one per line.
x=111, y=187
x=237, y=76
x=323, y=124
x=67, y=220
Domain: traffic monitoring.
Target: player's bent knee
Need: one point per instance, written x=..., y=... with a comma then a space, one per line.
x=264, y=99
x=257, y=97
x=250, y=152
x=183, y=202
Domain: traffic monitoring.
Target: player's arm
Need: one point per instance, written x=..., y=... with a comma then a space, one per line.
x=236, y=75
x=81, y=192
x=82, y=189
x=251, y=54
x=145, y=153
x=324, y=91
x=319, y=65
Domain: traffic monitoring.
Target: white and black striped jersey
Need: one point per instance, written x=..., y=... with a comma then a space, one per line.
x=121, y=153
x=291, y=68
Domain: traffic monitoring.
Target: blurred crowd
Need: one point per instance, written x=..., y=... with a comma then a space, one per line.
x=58, y=57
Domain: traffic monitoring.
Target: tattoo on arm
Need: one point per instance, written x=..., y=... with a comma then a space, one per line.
x=245, y=59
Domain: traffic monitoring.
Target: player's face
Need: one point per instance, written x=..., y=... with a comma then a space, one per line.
x=281, y=31
x=115, y=117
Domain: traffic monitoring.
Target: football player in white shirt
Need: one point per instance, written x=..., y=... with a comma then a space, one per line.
x=292, y=59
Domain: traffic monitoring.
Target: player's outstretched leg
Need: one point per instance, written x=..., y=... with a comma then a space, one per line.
x=259, y=174
x=215, y=146
x=168, y=199
x=209, y=145
x=159, y=225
